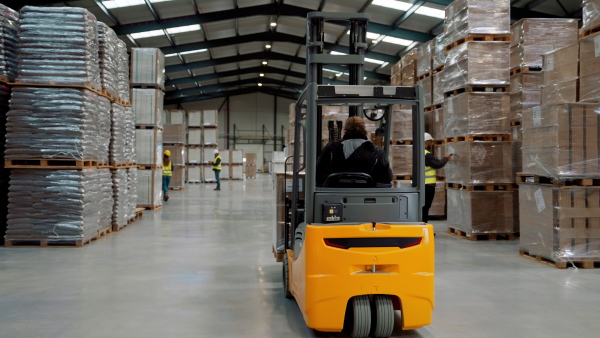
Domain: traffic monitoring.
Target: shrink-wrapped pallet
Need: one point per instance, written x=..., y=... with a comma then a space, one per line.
x=402, y=124
x=477, y=64
x=194, y=118
x=532, y=37
x=178, y=153
x=178, y=178
x=123, y=72
x=434, y=123
x=209, y=118
x=236, y=171
x=480, y=212
x=561, y=224
x=67, y=123
x=409, y=74
x=149, y=188
x=58, y=45
x=57, y=204
x=194, y=155
x=148, y=106
x=149, y=147
x=209, y=136
x=477, y=17
x=517, y=153
x=589, y=69
x=475, y=163
x=438, y=206
x=225, y=158
x=5, y=93
x=438, y=53
x=208, y=176
x=439, y=151
x=4, y=173
x=194, y=173
x=562, y=140
x=526, y=92
x=427, y=86
x=118, y=150
x=132, y=183
x=401, y=160
x=120, y=185
x=8, y=43
x=147, y=67
x=178, y=116
x=396, y=75
x=438, y=88
x=107, y=200
x=409, y=58
x=194, y=137
x=109, y=59
x=174, y=134
x=130, y=134
x=561, y=69
x=476, y=114
x=236, y=156
x=591, y=14
x=425, y=58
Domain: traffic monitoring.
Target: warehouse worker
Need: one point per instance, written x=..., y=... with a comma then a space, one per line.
x=354, y=153
x=216, y=166
x=431, y=164
x=167, y=173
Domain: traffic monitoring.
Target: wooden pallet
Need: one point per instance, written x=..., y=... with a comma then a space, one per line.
x=525, y=69
x=515, y=123
x=149, y=167
x=4, y=79
x=588, y=31
x=471, y=138
x=433, y=107
x=147, y=86
x=177, y=188
x=401, y=142
x=54, y=163
x=236, y=179
x=483, y=187
x=139, y=212
x=122, y=166
x=478, y=89
x=57, y=242
x=148, y=127
x=477, y=237
x=476, y=37
x=438, y=142
x=424, y=76
x=438, y=69
x=149, y=207
x=579, y=263
x=401, y=177
x=524, y=178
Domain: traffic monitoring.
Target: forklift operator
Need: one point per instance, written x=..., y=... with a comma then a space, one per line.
x=354, y=153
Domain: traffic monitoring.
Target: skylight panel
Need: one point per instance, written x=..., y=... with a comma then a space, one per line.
x=183, y=29
x=147, y=34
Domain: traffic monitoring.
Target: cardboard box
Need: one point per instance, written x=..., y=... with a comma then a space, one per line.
x=427, y=86
x=589, y=68
x=194, y=173
x=148, y=106
x=209, y=136
x=438, y=207
x=149, y=188
x=236, y=171
x=251, y=171
x=560, y=223
x=560, y=75
x=194, y=155
x=236, y=156
x=194, y=118
x=526, y=92
x=178, y=154
x=409, y=74
x=401, y=160
x=149, y=147
x=476, y=114
x=438, y=88
x=487, y=162
x=178, y=178
x=147, y=67
x=174, y=134
x=251, y=159
x=480, y=212
x=209, y=118
x=195, y=137
x=467, y=17
x=425, y=58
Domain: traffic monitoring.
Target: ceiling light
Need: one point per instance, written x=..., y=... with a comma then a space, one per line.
x=169, y=55
x=374, y=61
x=273, y=24
x=264, y=63
x=268, y=46
x=109, y=4
x=432, y=12
x=261, y=74
x=337, y=53
x=403, y=6
x=183, y=29
x=193, y=51
x=397, y=41
x=147, y=34
x=260, y=84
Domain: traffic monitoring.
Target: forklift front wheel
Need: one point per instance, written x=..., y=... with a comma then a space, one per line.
x=360, y=325
x=383, y=316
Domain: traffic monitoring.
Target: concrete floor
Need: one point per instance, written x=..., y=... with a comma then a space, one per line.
x=202, y=267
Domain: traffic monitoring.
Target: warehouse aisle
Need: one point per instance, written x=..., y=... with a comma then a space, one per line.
x=202, y=267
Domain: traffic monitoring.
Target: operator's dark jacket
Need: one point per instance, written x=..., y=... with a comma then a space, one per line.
x=367, y=158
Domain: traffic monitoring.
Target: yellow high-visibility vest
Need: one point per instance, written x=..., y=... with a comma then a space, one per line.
x=168, y=169
x=430, y=173
x=215, y=166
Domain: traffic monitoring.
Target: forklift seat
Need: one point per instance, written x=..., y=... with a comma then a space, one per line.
x=349, y=180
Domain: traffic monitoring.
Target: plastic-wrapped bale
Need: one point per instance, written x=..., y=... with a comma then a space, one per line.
x=562, y=140
x=148, y=107
x=149, y=188
x=477, y=64
x=438, y=88
x=178, y=153
x=132, y=183
x=480, y=212
x=147, y=67
x=589, y=69
x=4, y=173
x=55, y=204
x=478, y=162
x=427, y=86
x=123, y=72
x=8, y=43
x=106, y=200
x=530, y=38
x=129, y=134
x=476, y=17
x=5, y=93
x=58, y=45
x=591, y=14
x=120, y=186
x=149, y=147
x=402, y=124
x=526, y=92
x=401, y=160
x=178, y=178
x=434, y=123
x=476, y=114
x=438, y=53
x=561, y=73
x=118, y=141
x=425, y=58
x=109, y=62
x=561, y=224
x=68, y=123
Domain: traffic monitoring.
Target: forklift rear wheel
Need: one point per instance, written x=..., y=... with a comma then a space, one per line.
x=383, y=316
x=361, y=317
x=286, y=277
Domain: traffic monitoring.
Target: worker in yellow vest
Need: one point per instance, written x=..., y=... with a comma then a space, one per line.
x=167, y=173
x=216, y=166
x=431, y=166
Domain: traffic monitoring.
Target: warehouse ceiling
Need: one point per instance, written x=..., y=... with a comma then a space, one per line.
x=218, y=48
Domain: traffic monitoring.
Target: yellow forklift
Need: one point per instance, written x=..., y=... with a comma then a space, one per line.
x=356, y=257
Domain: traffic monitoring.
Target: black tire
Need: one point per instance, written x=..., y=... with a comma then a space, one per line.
x=286, y=278
x=383, y=316
x=360, y=326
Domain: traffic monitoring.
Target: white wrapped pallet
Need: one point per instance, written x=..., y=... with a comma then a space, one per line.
x=129, y=134
x=225, y=156
x=225, y=174
x=194, y=118
x=58, y=45
x=209, y=136
x=236, y=171
x=149, y=147
x=208, y=174
x=106, y=200
x=118, y=150
x=208, y=154
x=194, y=155
x=194, y=137
x=147, y=67
x=132, y=184
x=209, y=118
x=149, y=188
x=123, y=72
x=236, y=156
x=108, y=57
x=177, y=117
x=194, y=174
x=148, y=106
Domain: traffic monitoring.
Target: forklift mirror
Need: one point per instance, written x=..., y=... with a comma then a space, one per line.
x=374, y=114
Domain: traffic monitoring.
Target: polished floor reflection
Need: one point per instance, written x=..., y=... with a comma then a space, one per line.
x=202, y=267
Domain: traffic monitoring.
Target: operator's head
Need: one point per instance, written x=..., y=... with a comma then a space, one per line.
x=167, y=153
x=428, y=140
x=216, y=152
x=355, y=126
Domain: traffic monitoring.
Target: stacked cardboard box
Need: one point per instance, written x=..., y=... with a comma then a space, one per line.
x=236, y=161
x=250, y=165
x=591, y=15
x=560, y=79
x=589, y=68
x=175, y=138
x=466, y=18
